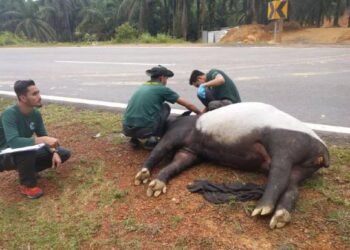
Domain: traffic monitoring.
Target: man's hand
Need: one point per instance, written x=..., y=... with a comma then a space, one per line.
x=201, y=91
x=51, y=141
x=188, y=105
x=56, y=160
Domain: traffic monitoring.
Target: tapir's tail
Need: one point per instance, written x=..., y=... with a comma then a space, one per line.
x=222, y=193
x=326, y=159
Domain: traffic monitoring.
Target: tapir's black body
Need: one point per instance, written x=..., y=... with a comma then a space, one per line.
x=288, y=156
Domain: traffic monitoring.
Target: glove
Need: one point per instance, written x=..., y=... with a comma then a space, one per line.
x=201, y=91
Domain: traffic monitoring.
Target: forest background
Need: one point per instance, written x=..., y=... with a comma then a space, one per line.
x=123, y=20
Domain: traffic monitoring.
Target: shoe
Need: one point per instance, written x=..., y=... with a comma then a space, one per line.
x=150, y=143
x=134, y=142
x=31, y=192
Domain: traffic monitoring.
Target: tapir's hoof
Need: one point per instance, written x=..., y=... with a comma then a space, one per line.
x=143, y=176
x=280, y=218
x=262, y=210
x=156, y=188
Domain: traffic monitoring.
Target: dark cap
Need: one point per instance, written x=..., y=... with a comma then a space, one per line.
x=159, y=71
x=194, y=75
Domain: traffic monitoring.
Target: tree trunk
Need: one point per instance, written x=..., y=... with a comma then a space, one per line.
x=198, y=15
x=348, y=6
x=255, y=11
x=320, y=15
x=143, y=20
x=336, y=16
x=184, y=19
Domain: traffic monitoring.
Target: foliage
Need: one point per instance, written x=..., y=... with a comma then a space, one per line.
x=159, y=38
x=8, y=38
x=70, y=20
x=125, y=33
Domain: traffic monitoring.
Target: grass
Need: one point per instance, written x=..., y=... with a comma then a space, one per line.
x=84, y=213
x=52, y=223
x=8, y=39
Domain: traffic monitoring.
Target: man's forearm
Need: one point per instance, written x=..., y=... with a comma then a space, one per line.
x=217, y=81
x=51, y=141
x=193, y=108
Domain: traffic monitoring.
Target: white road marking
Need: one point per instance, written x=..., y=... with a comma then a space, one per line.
x=318, y=127
x=116, y=63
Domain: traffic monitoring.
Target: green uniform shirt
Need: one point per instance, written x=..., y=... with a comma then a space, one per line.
x=227, y=90
x=17, y=129
x=145, y=105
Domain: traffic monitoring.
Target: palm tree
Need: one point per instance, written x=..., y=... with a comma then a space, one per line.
x=24, y=20
x=61, y=16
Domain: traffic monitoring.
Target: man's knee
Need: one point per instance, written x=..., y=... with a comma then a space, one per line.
x=218, y=104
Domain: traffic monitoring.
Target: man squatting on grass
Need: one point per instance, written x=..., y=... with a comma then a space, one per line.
x=215, y=88
x=18, y=124
x=147, y=112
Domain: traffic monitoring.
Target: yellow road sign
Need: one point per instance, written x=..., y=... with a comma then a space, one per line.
x=277, y=10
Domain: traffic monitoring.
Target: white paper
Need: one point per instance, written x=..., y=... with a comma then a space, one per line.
x=22, y=149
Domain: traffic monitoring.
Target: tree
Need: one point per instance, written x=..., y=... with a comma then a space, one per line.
x=24, y=20
x=61, y=15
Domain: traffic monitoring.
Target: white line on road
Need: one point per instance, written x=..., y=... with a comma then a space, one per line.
x=116, y=63
x=318, y=127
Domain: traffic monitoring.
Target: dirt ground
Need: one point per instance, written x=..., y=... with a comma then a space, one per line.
x=200, y=225
x=292, y=34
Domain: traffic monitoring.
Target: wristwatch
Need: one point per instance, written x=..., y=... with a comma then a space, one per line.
x=53, y=150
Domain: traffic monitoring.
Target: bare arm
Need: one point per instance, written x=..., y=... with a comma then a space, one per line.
x=217, y=81
x=188, y=105
x=51, y=141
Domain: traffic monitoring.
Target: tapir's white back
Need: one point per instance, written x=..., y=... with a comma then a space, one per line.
x=228, y=124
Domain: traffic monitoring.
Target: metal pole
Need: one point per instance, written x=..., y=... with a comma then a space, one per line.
x=275, y=32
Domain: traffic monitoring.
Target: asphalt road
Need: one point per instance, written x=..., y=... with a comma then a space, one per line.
x=312, y=84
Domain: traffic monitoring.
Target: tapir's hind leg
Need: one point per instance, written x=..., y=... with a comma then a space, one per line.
x=285, y=148
x=182, y=160
x=276, y=184
x=288, y=199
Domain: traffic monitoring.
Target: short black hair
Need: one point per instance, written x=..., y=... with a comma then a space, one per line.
x=21, y=87
x=194, y=75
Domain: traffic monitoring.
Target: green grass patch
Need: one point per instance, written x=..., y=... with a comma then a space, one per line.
x=175, y=220
x=341, y=218
x=103, y=122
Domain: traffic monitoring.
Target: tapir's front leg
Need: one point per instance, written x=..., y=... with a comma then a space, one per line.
x=182, y=160
x=157, y=154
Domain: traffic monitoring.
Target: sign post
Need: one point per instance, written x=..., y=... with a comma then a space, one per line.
x=277, y=11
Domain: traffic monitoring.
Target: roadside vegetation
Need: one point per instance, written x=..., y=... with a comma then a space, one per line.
x=81, y=21
x=91, y=202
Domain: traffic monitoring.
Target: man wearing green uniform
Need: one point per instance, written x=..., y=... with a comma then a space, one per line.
x=18, y=123
x=147, y=112
x=215, y=89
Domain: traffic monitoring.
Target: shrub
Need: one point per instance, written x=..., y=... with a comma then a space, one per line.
x=160, y=38
x=8, y=38
x=147, y=38
x=89, y=37
x=125, y=33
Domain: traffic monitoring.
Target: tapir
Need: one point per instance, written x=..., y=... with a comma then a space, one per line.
x=247, y=136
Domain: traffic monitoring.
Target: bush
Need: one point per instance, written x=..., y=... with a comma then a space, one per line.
x=8, y=38
x=89, y=37
x=164, y=38
x=147, y=38
x=160, y=38
x=125, y=33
